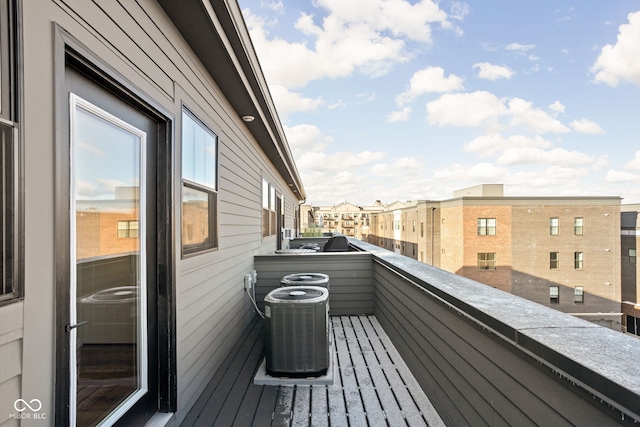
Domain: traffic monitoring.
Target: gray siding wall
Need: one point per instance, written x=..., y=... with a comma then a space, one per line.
x=11, y=330
x=139, y=41
x=350, y=278
x=485, y=357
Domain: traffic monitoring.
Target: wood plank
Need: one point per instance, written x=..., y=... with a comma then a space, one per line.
x=284, y=406
x=301, y=406
x=336, y=402
x=354, y=406
x=241, y=383
x=372, y=406
x=319, y=406
x=215, y=392
x=266, y=407
x=366, y=337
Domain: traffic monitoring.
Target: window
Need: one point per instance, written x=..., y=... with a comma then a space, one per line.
x=10, y=254
x=269, y=209
x=578, y=260
x=128, y=229
x=632, y=256
x=199, y=185
x=553, y=226
x=578, y=295
x=396, y=225
x=578, y=226
x=486, y=226
x=554, y=294
x=487, y=261
x=554, y=260
x=414, y=225
x=422, y=229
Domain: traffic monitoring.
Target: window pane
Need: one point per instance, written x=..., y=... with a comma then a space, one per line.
x=199, y=152
x=554, y=258
x=195, y=218
x=578, y=259
x=578, y=294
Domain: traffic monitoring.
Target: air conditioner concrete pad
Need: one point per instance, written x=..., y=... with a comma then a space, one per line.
x=262, y=378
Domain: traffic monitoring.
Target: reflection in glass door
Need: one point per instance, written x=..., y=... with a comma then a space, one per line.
x=108, y=332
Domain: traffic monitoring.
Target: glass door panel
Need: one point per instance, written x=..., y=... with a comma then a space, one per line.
x=108, y=255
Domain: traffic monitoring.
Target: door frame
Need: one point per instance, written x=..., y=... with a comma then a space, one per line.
x=68, y=51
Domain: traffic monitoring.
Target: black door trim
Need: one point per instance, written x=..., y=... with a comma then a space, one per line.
x=68, y=51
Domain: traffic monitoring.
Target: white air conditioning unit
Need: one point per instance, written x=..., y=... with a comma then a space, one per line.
x=288, y=233
x=297, y=331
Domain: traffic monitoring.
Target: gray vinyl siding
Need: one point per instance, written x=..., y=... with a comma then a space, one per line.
x=350, y=278
x=11, y=331
x=142, y=44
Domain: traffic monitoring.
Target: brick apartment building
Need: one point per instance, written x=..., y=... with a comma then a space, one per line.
x=630, y=222
x=563, y=252
x=344, y=218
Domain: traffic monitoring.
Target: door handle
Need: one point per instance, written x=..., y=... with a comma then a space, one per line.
x=68, y=328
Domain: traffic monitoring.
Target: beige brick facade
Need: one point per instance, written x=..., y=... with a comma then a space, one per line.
x=588, y=228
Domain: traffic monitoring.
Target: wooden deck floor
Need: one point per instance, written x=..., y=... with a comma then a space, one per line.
x=373, y=386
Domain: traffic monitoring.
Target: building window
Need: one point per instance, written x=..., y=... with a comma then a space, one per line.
x=422, y=229
x=269, y=209
x=10, y=213
x=554, y=260
x=414, y=225
x=199, y=185
x=578, y=260
x=578, y=295
x=128, y=229
x=553, y=226
x=632, y=256
x=487, y=261
x=554, y=294
x=578, y=226
x=486, y=226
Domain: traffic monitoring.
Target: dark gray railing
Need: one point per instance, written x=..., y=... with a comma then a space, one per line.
x=483, y=356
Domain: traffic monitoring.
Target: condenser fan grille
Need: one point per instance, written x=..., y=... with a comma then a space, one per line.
x=298, y=294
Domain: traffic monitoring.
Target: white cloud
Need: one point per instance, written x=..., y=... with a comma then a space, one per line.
x=481, y=172
x=483, y=108
x=621, y=61
x=338, y=104
x=635, y=163
x=399, y=116
x=465, y=109
x=305, y=138
x=399, y=167
x=493, y=72
x=367, y=37
x=586, y=126
x=288, y=102
x=427, y=80
x=276, y=6
x=517, y=47
x=531, y=155
x=614, y=176
x=523, y=114
x=557, y=108
x=319, y=161
x=488, y=145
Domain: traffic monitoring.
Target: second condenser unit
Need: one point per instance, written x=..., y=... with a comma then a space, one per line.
x=297, y=331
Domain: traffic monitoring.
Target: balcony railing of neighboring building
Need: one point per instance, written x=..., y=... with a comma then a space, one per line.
x=483, y=356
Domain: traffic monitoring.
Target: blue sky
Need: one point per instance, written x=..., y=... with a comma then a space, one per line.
x=403, y=100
